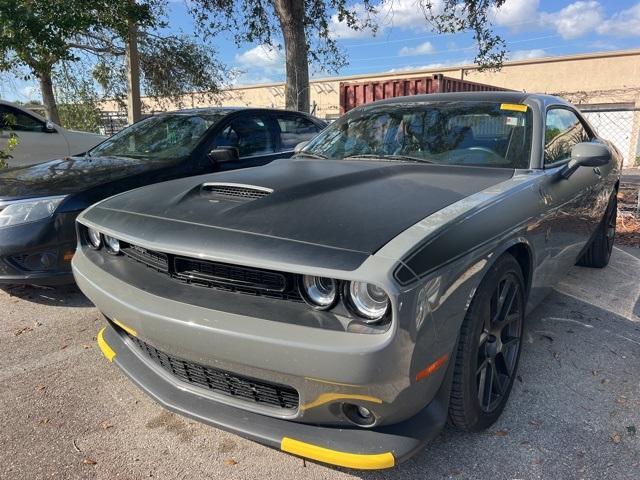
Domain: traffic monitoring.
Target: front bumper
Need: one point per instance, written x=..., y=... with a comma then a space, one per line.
x=38, y=252
x=367, y=449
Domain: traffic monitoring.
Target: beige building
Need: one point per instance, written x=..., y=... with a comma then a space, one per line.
x=605, y=85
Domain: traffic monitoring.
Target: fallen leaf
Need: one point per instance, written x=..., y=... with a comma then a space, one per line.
x=535, y=423
x=500, y=433
x=40, y=387
x=86, y=347
x=105, y=425
x=88, y=461
x=46, y=420
x=556, y=355
x=615, y=437
x=604, y=380
x=63, y=347
x=622, y=400
x=230, y=461
x=22, y=330
x=631, y=430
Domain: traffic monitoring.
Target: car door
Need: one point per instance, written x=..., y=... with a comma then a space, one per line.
x=35, y=143
x=253, y=134
x=293, y=129
x=571, y=199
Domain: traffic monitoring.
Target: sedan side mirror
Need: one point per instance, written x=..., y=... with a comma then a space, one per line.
x=300, y=146
x=586, y=154
x=50, y=127
x=223, y=155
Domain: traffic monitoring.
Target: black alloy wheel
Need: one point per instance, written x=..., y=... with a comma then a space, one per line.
x=486, y=359
x=499, y=343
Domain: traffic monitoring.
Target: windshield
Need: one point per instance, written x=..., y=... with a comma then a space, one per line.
x=449, y=133
x=167, y=136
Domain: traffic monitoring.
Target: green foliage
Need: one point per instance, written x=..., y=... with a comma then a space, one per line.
x=78, y=99
x=6, y=122
x=452, y=16
x=255, y=21
x=37, y=33
x=171, y=66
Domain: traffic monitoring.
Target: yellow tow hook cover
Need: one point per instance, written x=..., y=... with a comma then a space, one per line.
x=362, y=461
x=107, y=351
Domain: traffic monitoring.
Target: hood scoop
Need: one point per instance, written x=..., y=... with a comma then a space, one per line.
x=234, y=190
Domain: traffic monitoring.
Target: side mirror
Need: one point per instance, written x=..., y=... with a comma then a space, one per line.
x=223, y=155
x=50, y=127
x=586, y=154
x=300, y=146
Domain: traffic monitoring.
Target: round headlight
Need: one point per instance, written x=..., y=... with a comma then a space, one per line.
x=112, y=244
x=319, y=292
x=94, y=238
x=368, y=300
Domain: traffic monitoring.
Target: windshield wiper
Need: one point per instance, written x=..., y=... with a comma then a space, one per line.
x=310, y=155
x=405, y=158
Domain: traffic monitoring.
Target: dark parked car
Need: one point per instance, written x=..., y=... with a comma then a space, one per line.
x=342, y=305
x=39, y=204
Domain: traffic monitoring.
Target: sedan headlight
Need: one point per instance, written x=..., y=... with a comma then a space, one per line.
x=29, y=210
x=368, y=300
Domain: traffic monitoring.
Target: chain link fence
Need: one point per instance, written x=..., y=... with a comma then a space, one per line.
x=112, y=122
x=618, y=124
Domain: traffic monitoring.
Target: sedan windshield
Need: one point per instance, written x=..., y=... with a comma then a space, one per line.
x=167, y=136
x=448, y=133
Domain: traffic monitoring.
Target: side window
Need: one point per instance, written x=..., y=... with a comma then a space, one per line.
x=294, y=129
x=563, y=130
x=250, y=135
x=19, y=121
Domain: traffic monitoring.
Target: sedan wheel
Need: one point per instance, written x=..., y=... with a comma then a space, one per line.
x=489, y=347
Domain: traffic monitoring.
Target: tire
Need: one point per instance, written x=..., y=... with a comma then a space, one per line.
x=486, y=353
x=598, y=253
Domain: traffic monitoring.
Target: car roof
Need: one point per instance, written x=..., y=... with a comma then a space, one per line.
x=24, y=108
x=226, y=110
x=493, y=96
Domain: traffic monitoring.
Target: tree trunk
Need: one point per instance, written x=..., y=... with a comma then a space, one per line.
x=291, y=16
x=48, y=98
x=134, y=107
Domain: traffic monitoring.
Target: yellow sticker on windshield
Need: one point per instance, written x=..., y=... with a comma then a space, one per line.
x=516, y=107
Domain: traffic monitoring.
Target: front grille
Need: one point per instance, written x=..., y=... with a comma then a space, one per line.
x=218, y=275
x=238, y=191
x=229, y=275
x=156, y=260
x=220, y=381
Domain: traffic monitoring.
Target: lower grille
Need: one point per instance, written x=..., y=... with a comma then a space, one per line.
x=220, y=381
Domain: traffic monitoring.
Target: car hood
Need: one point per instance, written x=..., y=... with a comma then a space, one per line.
x=350, y=205
x=69, y=175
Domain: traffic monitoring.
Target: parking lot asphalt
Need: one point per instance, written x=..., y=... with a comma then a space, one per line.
x=574, y=412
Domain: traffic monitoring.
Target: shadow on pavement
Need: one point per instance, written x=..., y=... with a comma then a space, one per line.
x=60, y=296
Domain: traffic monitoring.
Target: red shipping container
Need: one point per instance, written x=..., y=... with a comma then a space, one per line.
x=354, y=94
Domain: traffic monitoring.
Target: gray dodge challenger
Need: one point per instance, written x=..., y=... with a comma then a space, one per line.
x=344, y=304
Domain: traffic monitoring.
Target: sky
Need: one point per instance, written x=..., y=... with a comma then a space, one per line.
x=531, y=29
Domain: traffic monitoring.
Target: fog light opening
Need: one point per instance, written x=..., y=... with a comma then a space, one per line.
x=359, y=415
